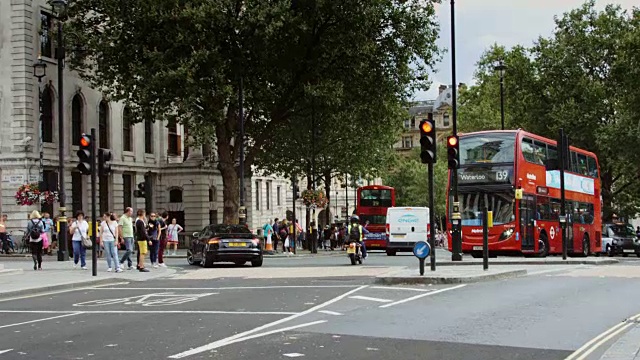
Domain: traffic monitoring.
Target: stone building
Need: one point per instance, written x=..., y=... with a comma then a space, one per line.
x=185, y=180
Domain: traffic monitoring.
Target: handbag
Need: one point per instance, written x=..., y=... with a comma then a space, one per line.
x=85, y=241
x=286, y=242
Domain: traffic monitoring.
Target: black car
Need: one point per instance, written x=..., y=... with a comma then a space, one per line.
x=620, y=238
x=225, y=243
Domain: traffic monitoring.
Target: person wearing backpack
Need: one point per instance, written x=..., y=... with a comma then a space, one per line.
x=78, y=230
x=35, y=229
x=356, y=233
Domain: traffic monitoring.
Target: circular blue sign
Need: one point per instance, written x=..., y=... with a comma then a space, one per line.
x=421, y=249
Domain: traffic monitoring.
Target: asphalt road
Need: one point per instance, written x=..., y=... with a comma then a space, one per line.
x=544, y=316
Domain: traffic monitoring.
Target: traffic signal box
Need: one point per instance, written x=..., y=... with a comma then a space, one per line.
x=453, y=152
x=428, y=143
x=85, y=155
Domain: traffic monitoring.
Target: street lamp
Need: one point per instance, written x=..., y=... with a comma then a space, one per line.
x=500, y=69
x=40, y=71
x=60, y=11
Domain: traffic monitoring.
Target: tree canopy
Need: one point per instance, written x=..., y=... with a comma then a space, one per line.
x=349, y=65
x=583, y=79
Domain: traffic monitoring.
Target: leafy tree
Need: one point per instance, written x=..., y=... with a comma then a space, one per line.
x=184, y=59
x=583, y=79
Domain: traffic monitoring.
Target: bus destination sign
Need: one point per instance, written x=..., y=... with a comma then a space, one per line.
x=485, y=175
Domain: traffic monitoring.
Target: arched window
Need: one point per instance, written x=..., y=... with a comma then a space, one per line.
x=47, y=115
x=212, y=194
x=127, y=124
x=76, y=118
x=103, y=124
x=175, y=195
x=148, y=136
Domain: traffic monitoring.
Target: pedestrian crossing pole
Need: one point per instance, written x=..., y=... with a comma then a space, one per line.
x=94, y=253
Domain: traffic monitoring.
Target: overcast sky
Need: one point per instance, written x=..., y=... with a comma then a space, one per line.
x=481, y=23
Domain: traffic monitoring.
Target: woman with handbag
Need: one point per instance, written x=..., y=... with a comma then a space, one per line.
x=79, y=240
x=108, y=236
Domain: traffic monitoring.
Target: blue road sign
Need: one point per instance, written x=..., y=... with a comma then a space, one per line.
x=421, y=249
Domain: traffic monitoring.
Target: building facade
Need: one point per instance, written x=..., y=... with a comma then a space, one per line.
x=185, y=180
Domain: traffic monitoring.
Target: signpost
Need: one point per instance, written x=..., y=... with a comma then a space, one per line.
x=421, y=250
x=487, y=222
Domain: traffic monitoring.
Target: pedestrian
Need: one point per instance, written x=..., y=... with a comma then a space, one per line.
x=162, y=223
x=47, y=237
x=4, y=240
x=143, y=239
x=154, y=235
x=79, y=229
x=334, y=237
x=283, y=234
x=276, y=234
x=109, y=234
x=35, y=229
x=267, y=232
x=326, y=236
x=300, y=235
x=172, y=234
x=125, y=231
x=637, y=230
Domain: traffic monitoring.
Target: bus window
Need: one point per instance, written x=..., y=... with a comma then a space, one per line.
x=555, y=209
x=582, y=164
x=527, y=150
x=543, y=209
x=487, y=148
x=574, y=162
x=585, y=213
x=592, y=167
x=552, y=152
x=501, y=203
x=539, y=152
x=371, y=197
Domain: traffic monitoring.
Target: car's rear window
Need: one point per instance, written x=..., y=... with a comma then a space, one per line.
x=229, y=229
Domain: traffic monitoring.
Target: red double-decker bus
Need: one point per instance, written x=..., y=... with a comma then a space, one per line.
x=372, y=205
x=494, y=164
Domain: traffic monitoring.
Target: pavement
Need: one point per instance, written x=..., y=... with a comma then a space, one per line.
x=321, y=307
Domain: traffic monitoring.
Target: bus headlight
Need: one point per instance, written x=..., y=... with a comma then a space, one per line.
x=506, y=234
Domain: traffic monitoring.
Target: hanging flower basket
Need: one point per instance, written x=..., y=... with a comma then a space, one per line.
x=314, y=199
x=30, y=194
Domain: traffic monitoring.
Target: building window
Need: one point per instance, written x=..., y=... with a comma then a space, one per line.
x=47, y=115
x=103, y=124
x=76, y=192
x=407, y=142
x=213, y=197
x=76, y=119
x=258, y=186
x=407, y=123
x=268, y=195
x=445, y=120
x=50, y=183
x=175, y=196
x=127, y=181
x=103, y=182
x=148, y=136
x=213, y=216
x=413, y=122
x=46, y=35
x=127, y=130
x=278, y=196
x=173, y=141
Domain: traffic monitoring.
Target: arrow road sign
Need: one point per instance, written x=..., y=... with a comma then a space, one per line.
x=421, y=249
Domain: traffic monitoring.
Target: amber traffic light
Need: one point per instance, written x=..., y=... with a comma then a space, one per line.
x=453, y=152
x=427, y=141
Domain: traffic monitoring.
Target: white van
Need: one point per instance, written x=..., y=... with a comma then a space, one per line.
x=405, y=227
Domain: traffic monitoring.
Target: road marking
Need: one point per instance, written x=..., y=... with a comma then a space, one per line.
x=148, y=312
x=399, y=288
x=531, y=273
x=329, y=312
x=161, y=299
x=228, y=340
x=421, y=295
x=237, y=287
x=605, y=336
x=93, y=287
x=358, y=297
x=5, y=351
x=38, y=320
x=292, y=355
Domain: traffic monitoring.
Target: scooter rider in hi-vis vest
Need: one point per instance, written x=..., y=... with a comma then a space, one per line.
x=358, y=230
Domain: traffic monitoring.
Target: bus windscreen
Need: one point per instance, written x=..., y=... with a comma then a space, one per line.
x=489, y=148
x=371, y=197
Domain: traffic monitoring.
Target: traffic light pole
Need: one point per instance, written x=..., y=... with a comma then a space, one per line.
x=63, y=234
x=293, y=203
x=94, y=252
x=562, y=154
x=456, y=238
x=432, y=233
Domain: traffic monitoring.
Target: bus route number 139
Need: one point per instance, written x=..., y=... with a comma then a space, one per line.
x=502, y=175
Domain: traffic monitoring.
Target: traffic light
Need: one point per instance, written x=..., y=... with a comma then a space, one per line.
x=296, y=192
x=453, y=152
x=141, y=192
x=428, y=141
x=85, y=156
x=104, y=167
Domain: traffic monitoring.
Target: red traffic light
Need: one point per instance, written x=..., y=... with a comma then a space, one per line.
x=452, y=141
x=85, y=140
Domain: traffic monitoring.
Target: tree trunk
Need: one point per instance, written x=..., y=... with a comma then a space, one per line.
x=327, y=189
x=308, y=213
x=607, y=196
x=226, y=165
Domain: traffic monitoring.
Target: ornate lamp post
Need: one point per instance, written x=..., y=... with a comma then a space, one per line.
x=39, y=72
x=500, y=69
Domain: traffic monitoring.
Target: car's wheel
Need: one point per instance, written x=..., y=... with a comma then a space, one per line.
x=352, y=257
x=476, y=254
x=240, y=263
x=391, y=252
x=257, y=263
x=190, y=259
x=638, y=254
x=585, y=246
x=208, y=261
x=609, y=251
x=543, y=244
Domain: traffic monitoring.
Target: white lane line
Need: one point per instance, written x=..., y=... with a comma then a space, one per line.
x=588, y=352
x=400, y=288
x=148, y=312
x=224, y=341
x=540, y=272
x=254, y=336
x=588, y=346
x=422, y=295
x=329, y=312
x=45, y=319
x=235, y=287
x=292, y=355
x=358, y=297
x=5, y=351
x=48, y=293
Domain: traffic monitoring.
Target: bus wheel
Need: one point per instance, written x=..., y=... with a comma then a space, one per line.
x=543, y=244
x=585, y=246
x=391, y=252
